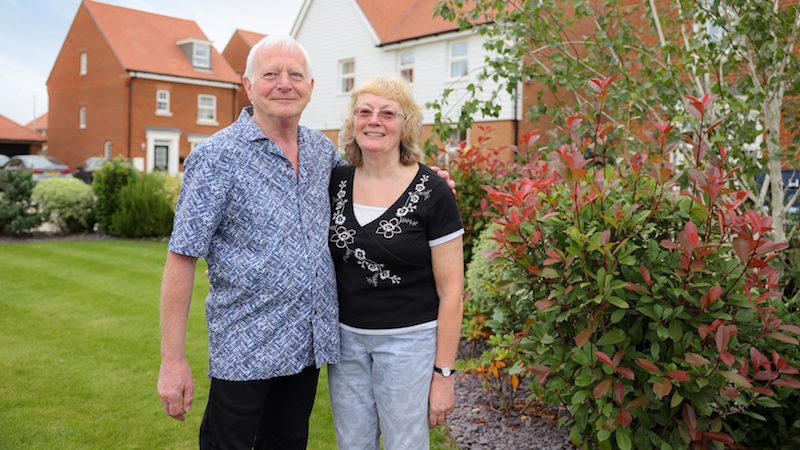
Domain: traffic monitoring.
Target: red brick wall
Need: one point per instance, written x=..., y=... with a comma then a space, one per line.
x=236, y=54
x=183, y=106
x=101, y=90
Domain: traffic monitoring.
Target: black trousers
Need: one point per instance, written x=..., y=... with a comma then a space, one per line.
x=262, y=415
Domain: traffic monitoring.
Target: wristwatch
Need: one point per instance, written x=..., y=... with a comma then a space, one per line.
x=445, y=371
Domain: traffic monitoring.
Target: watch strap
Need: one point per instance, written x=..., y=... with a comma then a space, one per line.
x=444, y=371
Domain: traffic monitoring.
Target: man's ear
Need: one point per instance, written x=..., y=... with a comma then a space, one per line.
x=247, y=86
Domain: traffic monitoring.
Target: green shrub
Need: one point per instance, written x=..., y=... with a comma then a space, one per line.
x=68, y=203
x=144, y=209
x=773, y=424
x=643, y=297
x=482, y=273
x=17, y=212
x=172, y=186
x=106, y=183
x=472, y=167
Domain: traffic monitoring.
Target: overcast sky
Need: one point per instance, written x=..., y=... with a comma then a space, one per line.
x=32, y=32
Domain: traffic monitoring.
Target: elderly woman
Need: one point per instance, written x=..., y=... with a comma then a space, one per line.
x=396, y=242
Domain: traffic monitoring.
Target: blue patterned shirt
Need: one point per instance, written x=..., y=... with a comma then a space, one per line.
x=272, y=308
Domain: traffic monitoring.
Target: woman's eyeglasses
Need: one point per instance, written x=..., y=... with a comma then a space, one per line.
x=384, y=115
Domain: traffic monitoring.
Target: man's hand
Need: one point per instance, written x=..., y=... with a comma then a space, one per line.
x=176, y=388
x=442, y=400
x=445, y=175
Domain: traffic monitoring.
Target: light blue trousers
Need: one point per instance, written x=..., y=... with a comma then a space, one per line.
x=381, y=388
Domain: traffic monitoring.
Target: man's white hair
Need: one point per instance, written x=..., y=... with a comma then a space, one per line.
x=283, y=41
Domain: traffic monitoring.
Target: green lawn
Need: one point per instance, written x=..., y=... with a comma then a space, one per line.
x=79, y=350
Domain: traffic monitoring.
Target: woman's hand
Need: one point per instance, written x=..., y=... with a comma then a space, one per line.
x=442, y=399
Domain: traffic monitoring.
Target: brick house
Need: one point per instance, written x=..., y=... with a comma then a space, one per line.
x=139, y=85
x=235, y=53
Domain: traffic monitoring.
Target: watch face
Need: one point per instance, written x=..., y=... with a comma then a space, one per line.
x=446, y=372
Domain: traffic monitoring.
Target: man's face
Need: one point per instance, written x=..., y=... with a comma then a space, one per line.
x=280, y=89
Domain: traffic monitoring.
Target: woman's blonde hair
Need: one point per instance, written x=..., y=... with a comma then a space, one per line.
x=390, y=88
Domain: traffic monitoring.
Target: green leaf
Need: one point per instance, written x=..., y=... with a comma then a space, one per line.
x=623, y=438
x=754, y=415
x=580, y=396
x=676, y=400
x=614, y=336
x=618, y=315
x=767, y=402
x=618, y=302
x=549, y=272
x=575, y=436
x=675, y=331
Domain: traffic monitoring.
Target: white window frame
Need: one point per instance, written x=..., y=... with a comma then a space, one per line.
x=406, y=68
x=453, y=143
x=82, y=117
x=107, y=150
x=347, y=80
x=458, y=60
x=204, y=107
x=83, y=63
x=201, y=60
x=163, y=137
x=163, y=103
x=194, y=141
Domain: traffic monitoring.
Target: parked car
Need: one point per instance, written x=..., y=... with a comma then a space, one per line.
x=3, y=160
x=41, y=166
x=86, y=170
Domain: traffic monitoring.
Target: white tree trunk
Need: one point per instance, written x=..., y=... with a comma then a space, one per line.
x=772, y=136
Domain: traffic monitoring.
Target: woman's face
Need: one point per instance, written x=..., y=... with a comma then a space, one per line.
x=378, y=125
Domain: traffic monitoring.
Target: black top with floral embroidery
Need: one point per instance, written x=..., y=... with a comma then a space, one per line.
x=383, y=269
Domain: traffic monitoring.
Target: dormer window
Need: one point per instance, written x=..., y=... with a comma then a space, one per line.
x=197, y=51
x=202, y=56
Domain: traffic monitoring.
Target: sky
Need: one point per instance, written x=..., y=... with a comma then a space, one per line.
x=32, y=32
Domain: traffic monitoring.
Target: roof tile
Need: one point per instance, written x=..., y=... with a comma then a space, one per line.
x=147, y=42
x=12, y=131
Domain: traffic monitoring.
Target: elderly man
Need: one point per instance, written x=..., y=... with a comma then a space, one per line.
x=254, y=203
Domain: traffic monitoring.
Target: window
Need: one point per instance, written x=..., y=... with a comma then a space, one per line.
x=407, y=66
x=458, y=60
x=107, y=150
x=162, y=103
x=83, y=63
x=453, y=144
x=82, y=117
x=202, y=55
x=347, y=75
x=161, y=156
x=206, y=109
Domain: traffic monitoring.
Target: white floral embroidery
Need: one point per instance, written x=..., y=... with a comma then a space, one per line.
x=388, y=228
x=391, y=228
x=343, y=237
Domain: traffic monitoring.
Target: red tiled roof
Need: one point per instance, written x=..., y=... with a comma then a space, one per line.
x=250, y=37
x=40, y=123
x=147, y=42
x=401, y=20
x=12, y=131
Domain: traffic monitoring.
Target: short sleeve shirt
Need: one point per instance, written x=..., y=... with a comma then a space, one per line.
x=383, y=268
x=271, y=308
